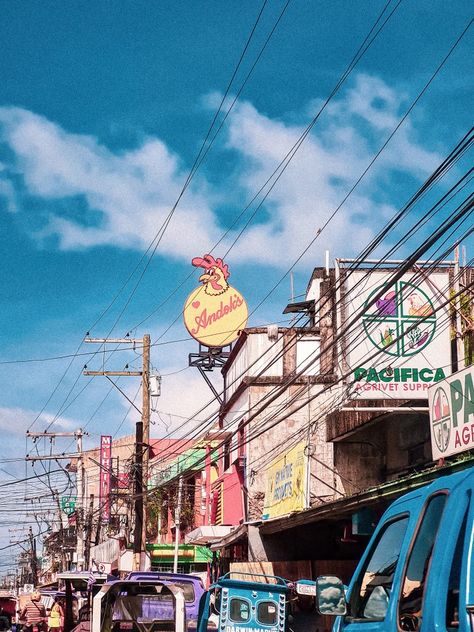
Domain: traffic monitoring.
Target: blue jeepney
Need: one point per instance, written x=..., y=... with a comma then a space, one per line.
x=417, y=573
x=237, y=605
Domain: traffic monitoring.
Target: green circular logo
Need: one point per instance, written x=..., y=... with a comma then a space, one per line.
x=441, y=419
x=402, y=322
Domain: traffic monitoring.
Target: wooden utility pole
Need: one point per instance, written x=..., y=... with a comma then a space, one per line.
x=78, y=434
x=142, y=441
x=145, y=439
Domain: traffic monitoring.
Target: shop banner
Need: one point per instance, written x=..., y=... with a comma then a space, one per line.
x=452, y=414
x=104, y=479
x=286, y=483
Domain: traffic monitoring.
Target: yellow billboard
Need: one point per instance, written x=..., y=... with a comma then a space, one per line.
x=215, y=312
x=286, y=489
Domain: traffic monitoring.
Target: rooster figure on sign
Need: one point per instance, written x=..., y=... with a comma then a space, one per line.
x=215, y=276
x=214, y=312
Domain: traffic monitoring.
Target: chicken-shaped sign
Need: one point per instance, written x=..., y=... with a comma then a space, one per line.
x=214, y=312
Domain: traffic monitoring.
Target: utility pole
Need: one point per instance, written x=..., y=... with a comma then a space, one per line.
x=145, y=439
x=457, y=307
x=78, y=434
x=177, y=524
x=34, y=559
x=88, y=532
x=80, y=503
x=142, y=441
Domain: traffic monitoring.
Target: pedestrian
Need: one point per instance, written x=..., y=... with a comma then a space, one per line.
x=56, y=616
x=34, y=613
x=4, y=620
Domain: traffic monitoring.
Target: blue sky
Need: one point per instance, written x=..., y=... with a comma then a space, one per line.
x=103, y=106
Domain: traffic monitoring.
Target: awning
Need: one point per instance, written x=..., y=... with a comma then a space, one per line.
x=207, y=534
x=107, y=551
x=238, y=533
x=47, y=586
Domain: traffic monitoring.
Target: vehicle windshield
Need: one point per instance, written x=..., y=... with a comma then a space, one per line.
x=147, y=609
x=187, y=588
x=144, y=608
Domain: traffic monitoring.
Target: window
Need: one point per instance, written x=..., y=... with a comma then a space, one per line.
x=241, y=439
x=452, y=604
x=239, y=610
x=267, y=612
x=188, y=590
x=226, y=457
x=416, y=574
x=371, y=595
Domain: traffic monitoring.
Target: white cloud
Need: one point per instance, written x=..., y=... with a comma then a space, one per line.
x=128, y=194
x=7, y=192
x=327, y=165
x=16, y=421
x=132, y=191
x=185, y=396
x=186, y=401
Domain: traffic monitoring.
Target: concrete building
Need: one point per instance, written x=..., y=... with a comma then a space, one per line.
x=351, y=385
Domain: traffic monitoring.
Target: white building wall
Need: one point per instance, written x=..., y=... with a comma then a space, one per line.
x=307, y=355
x=260, y=355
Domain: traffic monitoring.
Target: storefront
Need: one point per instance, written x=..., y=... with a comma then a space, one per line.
x=191, y=559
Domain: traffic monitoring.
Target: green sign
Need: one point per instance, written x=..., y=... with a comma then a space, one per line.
x=68, y=504
x=187, y=553
x=192, y=459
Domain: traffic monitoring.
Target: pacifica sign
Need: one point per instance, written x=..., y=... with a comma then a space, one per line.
x=215, y=312
x=402, y=343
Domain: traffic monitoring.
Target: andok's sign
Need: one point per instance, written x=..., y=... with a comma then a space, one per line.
x=215, y=312
x=401, y=345
x=452, y=414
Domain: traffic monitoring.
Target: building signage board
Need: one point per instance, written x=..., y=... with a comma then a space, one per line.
x=286, y=483
x=401, y=343
x=215, y=312
x=452, y=414
x=104, y=477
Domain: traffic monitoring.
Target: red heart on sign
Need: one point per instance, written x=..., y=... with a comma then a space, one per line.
x=196, y=304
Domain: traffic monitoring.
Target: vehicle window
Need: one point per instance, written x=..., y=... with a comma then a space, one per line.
x=416, y=574
x=239, y=610
x=143, y=607
x=187, y=588
x=370, y=597
x=267, y=612
x=452, y=603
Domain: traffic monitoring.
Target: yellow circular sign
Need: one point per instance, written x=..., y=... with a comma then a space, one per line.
x=214, y=312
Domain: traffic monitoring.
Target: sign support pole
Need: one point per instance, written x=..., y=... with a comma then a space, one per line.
x=142, y=440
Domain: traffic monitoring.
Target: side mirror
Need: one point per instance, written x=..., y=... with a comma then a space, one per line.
x=330, y=596
x=470, y=611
